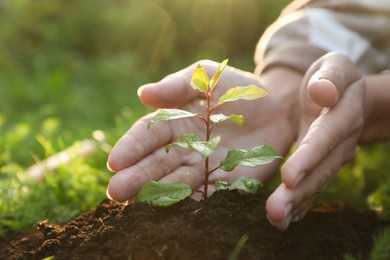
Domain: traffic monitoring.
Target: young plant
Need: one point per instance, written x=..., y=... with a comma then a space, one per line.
x=167, y=194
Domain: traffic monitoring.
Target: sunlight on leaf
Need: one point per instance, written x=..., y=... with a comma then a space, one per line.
x=217, y=74
x=191, y=141
x=169, y=114
x=185, y=141
x=257, y=156
x=163, y=194
x=205, y=148
x=248, y=93
x=245, y=183
x=200, y=80
x=238, y=119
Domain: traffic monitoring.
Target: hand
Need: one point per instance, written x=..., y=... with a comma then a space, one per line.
x=139, y=156
x=332, y=117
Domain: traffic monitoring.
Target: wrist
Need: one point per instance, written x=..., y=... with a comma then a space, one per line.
x=283, y=84
x=376, y=123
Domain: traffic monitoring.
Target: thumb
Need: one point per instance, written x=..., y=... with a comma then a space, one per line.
x=175, y=89
x=172, y=91
x=329, y=77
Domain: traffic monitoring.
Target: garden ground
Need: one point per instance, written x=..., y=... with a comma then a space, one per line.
x=228, y=224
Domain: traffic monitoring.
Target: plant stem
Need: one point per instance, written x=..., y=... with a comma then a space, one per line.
x=213, y=170
x=208, y=131
x=206, y=178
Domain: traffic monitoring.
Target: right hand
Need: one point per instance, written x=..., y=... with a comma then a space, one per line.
x=333, y=109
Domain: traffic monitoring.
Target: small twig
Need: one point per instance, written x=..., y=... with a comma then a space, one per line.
x=213, y=170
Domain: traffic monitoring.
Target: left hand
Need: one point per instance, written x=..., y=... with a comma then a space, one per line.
x=139, y=156
x=331, y=120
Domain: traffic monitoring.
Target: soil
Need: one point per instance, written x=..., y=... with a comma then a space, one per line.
x=227, y=222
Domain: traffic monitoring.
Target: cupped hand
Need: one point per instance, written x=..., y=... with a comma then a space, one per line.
x=331, y=120
x=140, y=156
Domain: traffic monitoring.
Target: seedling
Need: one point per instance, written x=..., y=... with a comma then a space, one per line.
x=166, y=194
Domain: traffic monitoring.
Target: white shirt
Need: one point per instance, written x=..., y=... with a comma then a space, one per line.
x=359, y=29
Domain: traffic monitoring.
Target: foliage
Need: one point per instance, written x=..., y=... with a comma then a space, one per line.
x=161, y=194
x=65, y=69
x=364, y=183
x=244, y=183
x=380, y=249
x=64, y=193
x=68, y=68
x=259, y=155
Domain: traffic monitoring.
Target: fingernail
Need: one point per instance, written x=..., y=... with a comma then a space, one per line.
x=109, y=168
x=287, y=221
x=139, y=90
x=331, y=89
x=296, y=219
x=299, y=178
x=287, y=215
x=108, y=194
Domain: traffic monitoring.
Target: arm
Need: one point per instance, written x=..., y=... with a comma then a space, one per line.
x=377, y=123
x=334, y=110
x=306, y=30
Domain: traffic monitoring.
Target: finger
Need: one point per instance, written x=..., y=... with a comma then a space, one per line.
x=175, y=89
x=126, y=183
x=322, y=91
x=290, y=204
x=170, y=92
x=325, y=134
x=138, y=142
x=329, y=77
x=279, y=206
x=296, y=215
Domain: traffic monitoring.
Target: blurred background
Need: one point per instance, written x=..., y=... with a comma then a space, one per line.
x=69, y=71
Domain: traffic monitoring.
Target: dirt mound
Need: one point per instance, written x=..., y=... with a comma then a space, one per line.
x=208, y=229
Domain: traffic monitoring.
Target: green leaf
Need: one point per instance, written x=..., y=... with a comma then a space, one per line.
x=257, y=156
x=205, y=148
x=217, y=74
x=248, y=93
x=200, y=80
x=163, y=194
x=169, y=114
x=217, y=118
x=191, y=141
x=185, y=141
x=248, y=184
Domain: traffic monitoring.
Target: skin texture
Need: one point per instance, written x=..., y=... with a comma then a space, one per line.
x=324, y=113
x=332, y=106
x=139, y=154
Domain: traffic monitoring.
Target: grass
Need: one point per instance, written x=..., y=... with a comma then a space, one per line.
x=69, y=71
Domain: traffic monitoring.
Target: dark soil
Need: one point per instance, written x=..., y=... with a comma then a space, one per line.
x=208, y=229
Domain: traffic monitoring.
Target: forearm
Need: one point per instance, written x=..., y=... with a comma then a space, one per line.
x=377, y=121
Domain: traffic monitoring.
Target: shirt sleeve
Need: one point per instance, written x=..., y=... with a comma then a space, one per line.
x=306, y=30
